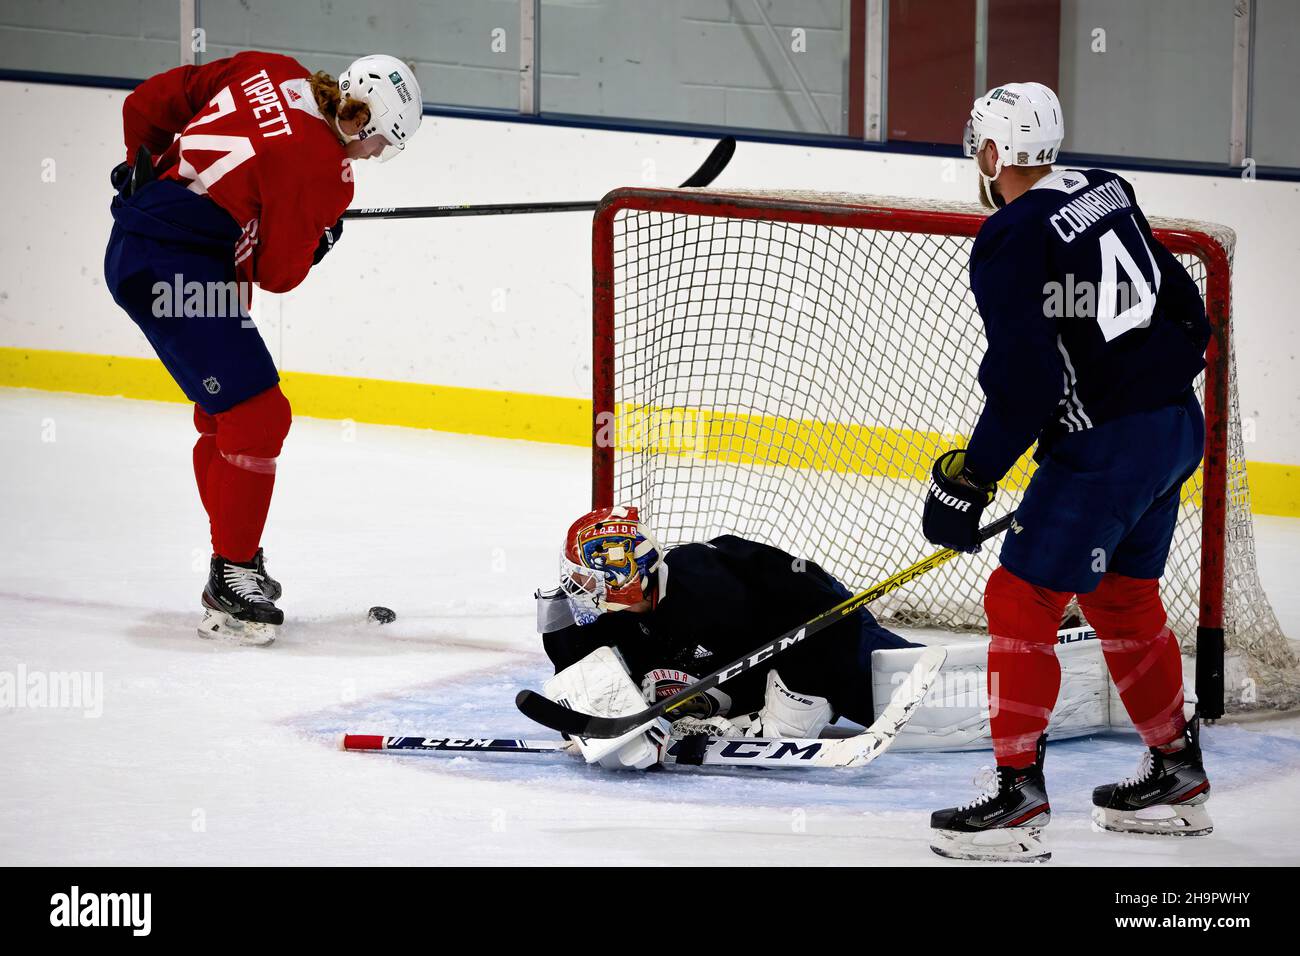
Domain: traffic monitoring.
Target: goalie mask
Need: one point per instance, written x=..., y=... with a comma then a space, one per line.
x=389, y=89
x=608, y=563
x=1024, y=121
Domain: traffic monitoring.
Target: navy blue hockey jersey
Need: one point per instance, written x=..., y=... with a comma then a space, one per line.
x=1087, y=316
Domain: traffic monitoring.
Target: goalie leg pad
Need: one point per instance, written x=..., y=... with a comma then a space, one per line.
x=956, y=715
x=786, y=713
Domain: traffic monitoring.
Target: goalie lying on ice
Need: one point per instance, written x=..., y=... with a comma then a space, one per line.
x=631, y=624
x=688, y=611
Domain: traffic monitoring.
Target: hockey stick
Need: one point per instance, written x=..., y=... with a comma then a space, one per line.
x=459, y=745
x=693, y=751
x=715, y=163
x=696, y=750
x=860, y=749
x=574, y=723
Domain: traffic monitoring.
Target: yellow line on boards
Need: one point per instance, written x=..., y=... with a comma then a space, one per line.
x=447, y=408
x=715, y=436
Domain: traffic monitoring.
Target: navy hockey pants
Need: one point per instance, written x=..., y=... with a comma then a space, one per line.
x=170, y=264
x=1106, y=499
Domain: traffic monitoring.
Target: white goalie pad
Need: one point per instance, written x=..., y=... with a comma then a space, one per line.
x=600, y=684
x=787, y=713
x=955, y=714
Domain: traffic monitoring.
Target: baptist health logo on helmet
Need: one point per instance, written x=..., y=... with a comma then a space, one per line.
x=403, y=92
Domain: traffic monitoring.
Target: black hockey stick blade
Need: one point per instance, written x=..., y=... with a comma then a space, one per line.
x=575, y=723
x=713, y=166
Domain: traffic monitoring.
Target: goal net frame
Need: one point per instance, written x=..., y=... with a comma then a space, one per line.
x=1212, y=245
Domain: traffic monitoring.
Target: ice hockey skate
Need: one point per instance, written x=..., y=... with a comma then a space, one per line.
x=1166, y=796
x=1004, y=824
x=270, y=586
x=236, y=609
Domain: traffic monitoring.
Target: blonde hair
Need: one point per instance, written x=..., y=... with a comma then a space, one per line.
x=329, y=100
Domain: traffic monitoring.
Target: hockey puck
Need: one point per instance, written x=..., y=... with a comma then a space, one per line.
x=382, y=615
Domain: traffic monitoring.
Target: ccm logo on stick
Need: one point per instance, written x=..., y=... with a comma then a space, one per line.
x=763, y=654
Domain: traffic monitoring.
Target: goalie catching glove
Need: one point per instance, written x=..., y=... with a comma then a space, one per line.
x=955, y=504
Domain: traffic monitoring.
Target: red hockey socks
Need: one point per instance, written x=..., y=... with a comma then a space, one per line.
x=1024, y=675
x=1141, y=652
x=240, y=477
x=204, y=449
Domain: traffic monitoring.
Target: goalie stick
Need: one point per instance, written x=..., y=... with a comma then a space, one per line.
x=696, y=750
x=574, y=723
x=711, y=168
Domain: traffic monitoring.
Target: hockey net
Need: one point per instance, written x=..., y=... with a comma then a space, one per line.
x=787, y=366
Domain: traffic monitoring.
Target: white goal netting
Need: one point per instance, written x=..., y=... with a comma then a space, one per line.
x=777, y=373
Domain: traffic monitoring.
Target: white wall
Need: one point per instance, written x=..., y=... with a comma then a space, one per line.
x=414, y=300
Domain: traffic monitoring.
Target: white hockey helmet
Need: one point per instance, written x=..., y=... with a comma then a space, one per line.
x=389, y=88
x=1025, y=122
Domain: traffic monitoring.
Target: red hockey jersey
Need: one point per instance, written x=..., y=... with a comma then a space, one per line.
x=251, y=138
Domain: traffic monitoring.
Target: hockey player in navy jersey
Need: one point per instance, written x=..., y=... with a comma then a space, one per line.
x=674, y=616
x=1095, y=335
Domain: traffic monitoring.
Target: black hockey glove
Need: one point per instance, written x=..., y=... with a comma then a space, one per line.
x=955, y=504
x=129, y=179
x=327, y=240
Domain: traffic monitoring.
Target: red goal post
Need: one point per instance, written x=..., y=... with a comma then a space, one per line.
x=692, y=307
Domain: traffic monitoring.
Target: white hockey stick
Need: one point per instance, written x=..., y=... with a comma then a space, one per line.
x=860, y=749
x=697, y=750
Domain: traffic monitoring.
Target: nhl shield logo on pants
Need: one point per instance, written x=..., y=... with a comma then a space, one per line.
x=212, y=385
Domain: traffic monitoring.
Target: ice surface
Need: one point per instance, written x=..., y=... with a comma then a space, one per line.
x=205, y=753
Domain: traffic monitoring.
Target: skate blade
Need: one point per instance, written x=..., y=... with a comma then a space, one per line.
x=1005, y=845
x=220, y=626
x=1162, y=820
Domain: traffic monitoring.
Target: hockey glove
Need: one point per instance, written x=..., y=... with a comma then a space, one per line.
x=327, y=240
x=129, y=179
x=955, y=504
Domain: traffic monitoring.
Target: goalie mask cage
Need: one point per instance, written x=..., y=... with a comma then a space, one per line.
x=787, y=366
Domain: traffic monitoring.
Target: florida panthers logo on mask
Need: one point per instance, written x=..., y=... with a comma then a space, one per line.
x=607, y=562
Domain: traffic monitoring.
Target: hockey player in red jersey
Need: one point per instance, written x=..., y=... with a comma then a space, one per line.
x=1106, y=392
x=237, y=172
